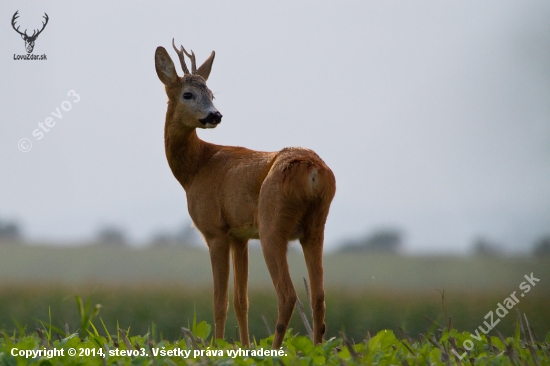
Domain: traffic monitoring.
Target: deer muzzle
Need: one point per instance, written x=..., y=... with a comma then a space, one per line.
x=212, y=118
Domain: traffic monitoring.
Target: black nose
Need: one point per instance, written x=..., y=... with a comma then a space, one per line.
x=214, y=118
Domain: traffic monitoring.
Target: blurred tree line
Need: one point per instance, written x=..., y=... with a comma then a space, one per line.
x=390, y=241
x=185, y=235
x=485, y=247
x=10, y=232
x=542, y=246
x=386, y=240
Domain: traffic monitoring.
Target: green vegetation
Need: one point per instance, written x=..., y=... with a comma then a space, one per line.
x=383, y=304
x=171, y=306
x=450, y=347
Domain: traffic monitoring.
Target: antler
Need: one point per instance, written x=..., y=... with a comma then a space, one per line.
x=15, y=16
x=43, y=25
x=193, y=61
x=182, y=59
x=191, y=56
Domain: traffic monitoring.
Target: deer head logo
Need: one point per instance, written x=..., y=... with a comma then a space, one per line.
x=29, y=40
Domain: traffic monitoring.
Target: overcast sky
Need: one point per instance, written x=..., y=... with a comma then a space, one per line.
x=434, y=116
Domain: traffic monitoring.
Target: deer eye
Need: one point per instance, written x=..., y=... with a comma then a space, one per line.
x=187, y=96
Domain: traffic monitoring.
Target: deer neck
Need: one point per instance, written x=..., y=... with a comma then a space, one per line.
x=185, y=152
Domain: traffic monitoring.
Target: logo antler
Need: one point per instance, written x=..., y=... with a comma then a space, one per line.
x=29, y=40
x=15, y=16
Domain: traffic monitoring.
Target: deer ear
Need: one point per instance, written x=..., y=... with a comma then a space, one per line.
x=165, y=67
x=206, y=67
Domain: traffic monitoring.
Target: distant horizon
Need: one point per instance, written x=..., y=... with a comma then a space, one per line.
x=254, y=244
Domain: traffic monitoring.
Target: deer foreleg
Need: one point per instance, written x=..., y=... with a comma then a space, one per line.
x=240, y=299
x=219, y=257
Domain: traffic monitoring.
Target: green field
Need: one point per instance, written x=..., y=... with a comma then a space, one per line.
x=446, y=347
x=191, y=268
x=166, y=287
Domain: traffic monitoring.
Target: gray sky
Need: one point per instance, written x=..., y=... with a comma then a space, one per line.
x=434, y=116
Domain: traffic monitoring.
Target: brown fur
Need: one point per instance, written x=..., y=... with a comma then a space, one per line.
x=235, y=194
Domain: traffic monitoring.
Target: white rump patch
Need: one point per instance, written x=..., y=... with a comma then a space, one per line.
x=313, y=178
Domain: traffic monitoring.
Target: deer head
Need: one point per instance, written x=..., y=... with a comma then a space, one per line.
x=29, y=40
x=189, y=99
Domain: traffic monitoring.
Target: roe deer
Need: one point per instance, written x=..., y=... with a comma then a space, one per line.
x=235, y=194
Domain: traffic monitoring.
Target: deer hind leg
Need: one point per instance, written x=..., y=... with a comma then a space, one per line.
x=274, y=249
x=219, y=257
x=239, y=251
x=312, y=245
x=275, y=229
x=314, y=261
x=275, y=224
